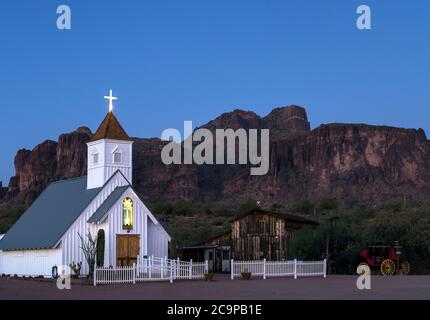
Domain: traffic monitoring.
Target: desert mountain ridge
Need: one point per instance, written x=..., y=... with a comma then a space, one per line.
x=344, y=161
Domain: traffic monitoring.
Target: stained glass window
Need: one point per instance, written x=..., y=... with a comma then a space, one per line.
x=127, y=213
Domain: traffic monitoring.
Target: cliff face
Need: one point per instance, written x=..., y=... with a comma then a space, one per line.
x=369, y=163
x=347, y=161
x=47, y=162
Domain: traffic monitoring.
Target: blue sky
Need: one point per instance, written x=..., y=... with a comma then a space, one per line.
x=170, y=61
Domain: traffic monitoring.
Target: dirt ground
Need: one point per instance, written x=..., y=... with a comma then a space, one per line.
x=222, y=288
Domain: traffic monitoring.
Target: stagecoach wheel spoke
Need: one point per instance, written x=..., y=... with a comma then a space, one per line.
x=388, y=267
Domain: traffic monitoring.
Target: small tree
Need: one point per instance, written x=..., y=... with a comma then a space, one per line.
x=89, y=247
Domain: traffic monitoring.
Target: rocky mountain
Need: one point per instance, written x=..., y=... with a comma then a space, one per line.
x=346, y=161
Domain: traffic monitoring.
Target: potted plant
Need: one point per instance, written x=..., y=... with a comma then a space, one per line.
x=76, y=268
x=209, y=276
x=246, y=275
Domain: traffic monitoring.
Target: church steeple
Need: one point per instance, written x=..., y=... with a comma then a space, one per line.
x=110, y=128
x=109, y=150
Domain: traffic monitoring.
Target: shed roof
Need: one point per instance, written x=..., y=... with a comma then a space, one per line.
x=50, y=215
x=107, y=204
x=284, y=216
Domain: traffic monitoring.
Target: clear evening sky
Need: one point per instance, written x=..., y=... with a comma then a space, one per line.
x=170, y=61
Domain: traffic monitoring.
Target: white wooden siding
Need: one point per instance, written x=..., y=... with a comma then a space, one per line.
x=31, y=262
x=1, y=256
x=100, y=173
x=70, y=241
x=112, y=225
x=158, y=241
x=114, y=221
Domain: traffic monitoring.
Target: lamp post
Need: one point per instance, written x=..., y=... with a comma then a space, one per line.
x=398, y=249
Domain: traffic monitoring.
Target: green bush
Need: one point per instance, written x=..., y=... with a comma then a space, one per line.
x=304, y=207
x=277, y=207
x=182, y=208
x=328, y=204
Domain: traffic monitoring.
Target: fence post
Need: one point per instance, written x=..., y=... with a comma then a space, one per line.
x=206, y=266
x=150, y=267
x=325, y=268
x=295, y=268
x=95, y=275
x=134, y=273
x=191, y=268
x=232, y=269
x=177, y=267
x=171, y=271
x=264, y=269
x=162, y=268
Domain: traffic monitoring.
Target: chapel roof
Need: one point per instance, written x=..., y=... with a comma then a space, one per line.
x=107, y=205
x=50, y=215
x=110, y=128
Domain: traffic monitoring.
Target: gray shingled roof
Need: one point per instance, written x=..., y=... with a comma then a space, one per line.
x=49, y=217
x=107, y=204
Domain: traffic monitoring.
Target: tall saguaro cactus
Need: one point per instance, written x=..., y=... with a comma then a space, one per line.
x=100, y=248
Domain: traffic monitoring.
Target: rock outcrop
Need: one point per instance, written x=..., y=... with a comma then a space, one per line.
x=347, y=161
x=3, y=191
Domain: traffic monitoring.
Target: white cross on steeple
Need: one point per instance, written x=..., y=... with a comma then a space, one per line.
x=110, y=98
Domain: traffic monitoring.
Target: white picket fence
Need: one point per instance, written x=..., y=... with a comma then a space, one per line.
x=104, y=275
x=151, y=269
x=292, y=268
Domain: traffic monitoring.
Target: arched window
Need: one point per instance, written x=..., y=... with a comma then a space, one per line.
x=127, y=214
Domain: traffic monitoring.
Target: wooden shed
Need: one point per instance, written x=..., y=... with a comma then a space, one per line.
x=256, y=235
x=261, y=234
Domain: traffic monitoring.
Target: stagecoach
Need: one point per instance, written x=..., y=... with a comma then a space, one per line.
x=385, y=259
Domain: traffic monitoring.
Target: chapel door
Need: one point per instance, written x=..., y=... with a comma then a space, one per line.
x=127, y=249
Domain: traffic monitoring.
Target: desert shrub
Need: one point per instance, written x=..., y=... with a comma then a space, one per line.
x=8, y=216
x=411, y=229
x=247, y=206
x=182, y=208
x=306, y=244
x=328, y=204
x=162, y=208
x=277, y=207
x=304, y=207
x=392, y=206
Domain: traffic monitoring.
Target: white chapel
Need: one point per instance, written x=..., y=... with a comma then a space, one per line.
x=47, y=234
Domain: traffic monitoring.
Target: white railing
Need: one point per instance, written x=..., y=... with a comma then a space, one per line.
x=118, y=275
x=151, y=269
x=189, y=269
x=256, y=267
x=311, y=268
x=279, y=268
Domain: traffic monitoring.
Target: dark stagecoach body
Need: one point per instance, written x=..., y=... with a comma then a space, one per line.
x=385, y=259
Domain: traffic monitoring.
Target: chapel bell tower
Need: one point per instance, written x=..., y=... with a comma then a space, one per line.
x=109, y=150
